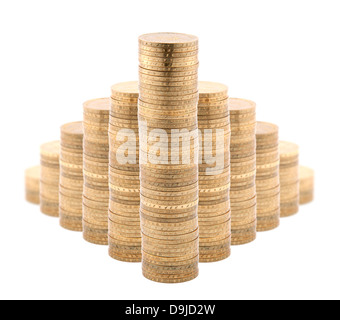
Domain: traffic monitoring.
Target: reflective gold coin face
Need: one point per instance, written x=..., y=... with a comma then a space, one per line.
x=179, y=40
x=73, y=128
x=266, y=128
x=128, y=89
x=51, y=149
x=306, y=173
x=241, y=105
x=101, y=105
x=288, y=149
x=33, y=173
x=211, y=89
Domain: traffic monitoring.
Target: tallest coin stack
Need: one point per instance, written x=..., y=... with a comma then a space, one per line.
x=168, y=85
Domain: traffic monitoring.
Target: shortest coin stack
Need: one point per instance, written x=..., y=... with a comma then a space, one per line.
x=289, y=178
x=71, y=176
x=49, y=179
x=32, y=184
x=306, y=185
x=267, y=176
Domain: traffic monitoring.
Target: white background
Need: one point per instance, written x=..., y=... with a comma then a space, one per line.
x=282, y=54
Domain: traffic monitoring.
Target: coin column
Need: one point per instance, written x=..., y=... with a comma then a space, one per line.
x=214, y=172
x=71, y=176
x=306, y=185
x=267, y=176
x=243, y=171
x=96, y=171
x=49, y=180
x=32, y=185
x=289, y=178
x=168, y=79
x=124, y=221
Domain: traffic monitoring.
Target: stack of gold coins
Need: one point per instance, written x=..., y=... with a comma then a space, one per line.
x=267, y=176
x=214, y=172
x=168, y=132
x=49, y=178
x=32, y=185
x=243, y=170
x=96, y=171
x=289, y=178
x=306, y=185
x=124, y=221
x=71, y=176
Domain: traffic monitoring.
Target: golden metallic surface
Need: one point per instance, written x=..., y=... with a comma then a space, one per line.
x=306, y=185
x=49, y=178
x=124, y=220
x=32, y=184
x=243, y=170
x=168, y=39
x=213, y=113
x=71, y=176
x=289, y=178
x=168, y=85
x=125, y=90
x=96, y=170
x=268, y=197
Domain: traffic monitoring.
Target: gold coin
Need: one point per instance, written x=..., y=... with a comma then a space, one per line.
x=148, y=58
x=97, y=106
x=93, y=237
x=241, y=106
x=169, y=100
x=170, y=103
x=214, y=258
x=48, y=207
x=288, y=149
x=167, y=49
x=122, y=105
x=264, y=136
x=132, y=259
x=306, y=197
x=159, y=78
x=32, y=183
x=32, y=197
x=170, y=73
x=167, y=93
x=164, y=54
x=125, y=90
x=212, y=90
x=306, y=179
x=73, y=130
x=160, y=83
x=50, y=150
x=246, y=238
x=170, y=67
x=168, y=40
x=289, y=209
x=167, y=279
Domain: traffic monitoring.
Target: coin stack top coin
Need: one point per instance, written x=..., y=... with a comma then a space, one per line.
x=306, y=185
x=168, y=83
x=96, y=171
x=214, y=172
x=124, y=221
x=243, y=170
x=289, y=178
x=32, y=184
x=267, y=176
x=71, y=176
x=49, y=179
